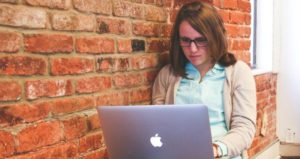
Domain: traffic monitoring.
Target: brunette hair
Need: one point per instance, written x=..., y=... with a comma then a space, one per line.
x=205, y=19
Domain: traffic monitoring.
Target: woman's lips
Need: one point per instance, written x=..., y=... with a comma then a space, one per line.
x=195, y=56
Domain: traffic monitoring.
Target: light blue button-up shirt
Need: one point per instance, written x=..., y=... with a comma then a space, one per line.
x=209, y=92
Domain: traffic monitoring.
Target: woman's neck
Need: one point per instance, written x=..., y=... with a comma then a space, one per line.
x=204, y=68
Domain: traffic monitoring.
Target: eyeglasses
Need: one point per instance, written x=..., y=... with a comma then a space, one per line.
x=199, y=42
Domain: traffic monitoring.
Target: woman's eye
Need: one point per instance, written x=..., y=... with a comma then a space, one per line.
x=200, y=40
x=185, y=39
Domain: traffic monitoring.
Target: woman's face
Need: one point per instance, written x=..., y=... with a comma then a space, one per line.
x=194, y=46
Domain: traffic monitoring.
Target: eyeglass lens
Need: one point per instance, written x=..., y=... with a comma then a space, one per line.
x=186, y=42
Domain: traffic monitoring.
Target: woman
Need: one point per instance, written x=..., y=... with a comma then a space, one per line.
x=202, y=71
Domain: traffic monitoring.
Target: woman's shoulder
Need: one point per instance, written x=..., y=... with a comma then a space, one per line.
x=239, y=69
x=241, y=66
x=167, y=69
x=241, y=63
x=166, y=73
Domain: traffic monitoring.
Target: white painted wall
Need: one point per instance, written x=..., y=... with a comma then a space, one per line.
x=288, y=90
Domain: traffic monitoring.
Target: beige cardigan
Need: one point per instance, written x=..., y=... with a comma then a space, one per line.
x=239, y=103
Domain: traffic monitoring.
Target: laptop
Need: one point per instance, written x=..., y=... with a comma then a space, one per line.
x=156, y=131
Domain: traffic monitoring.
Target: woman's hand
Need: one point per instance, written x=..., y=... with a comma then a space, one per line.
x=215, y=150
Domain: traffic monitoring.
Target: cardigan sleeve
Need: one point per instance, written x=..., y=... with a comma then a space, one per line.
x=242, y=124
x=160, y=86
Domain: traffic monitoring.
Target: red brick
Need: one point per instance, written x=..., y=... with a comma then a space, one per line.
x=64, y=150
x=271, y=115
x=166, y=30
x=94, y=6
x=140, y=95
x=72, y=65
x=75, y=126
x=225, y=14
x=112, y=64
x=105, y=64
x=48, y=88
x=93, y=121
x=232, y=30
x=262, y=95
x=153, y=13
x=244, y=31
x=113, y=25
x=9, y=1
x=237, y=17
x=48, y=43
x=144, y=61
x=101, y=154
x=258, y=123
x=95, y=45
x=262, y=85
x=167, y=3
x=93, y=84
x=90, y=142
x=262, y=103
x=57, y=4
x=241, y=45
x=10, y=90
x=116, y=98
x=149, y=1
x=24, y=112
x=242, y=55
x=265, y=104
x=217, y=3
x=146, y=29
x=137, y=1
x=36, y=136
x=159, y=3
x=121, y=8
x=22, y=17
x=136, y=11
x=9, y=42
x=7, y=144
x=247, y=19
x=230, y=4
x=72, y=22
x=70, y=105
x=158, y=45
x=121, y=64
x=127, y=9
x=244, y=5
x=127, y=80
x=263, y=77
x=22, y=65
x=124, y=46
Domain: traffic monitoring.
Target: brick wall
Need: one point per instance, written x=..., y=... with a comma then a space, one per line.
x=60, y=59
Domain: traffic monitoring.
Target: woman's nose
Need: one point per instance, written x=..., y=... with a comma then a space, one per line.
x=193, y=47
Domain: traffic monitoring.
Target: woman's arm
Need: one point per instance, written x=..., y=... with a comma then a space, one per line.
x=160, y=86
x=243, y=117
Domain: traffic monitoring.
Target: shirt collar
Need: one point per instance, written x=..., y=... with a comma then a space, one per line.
x=193, y=73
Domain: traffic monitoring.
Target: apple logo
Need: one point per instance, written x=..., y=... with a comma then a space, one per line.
x=155, y=141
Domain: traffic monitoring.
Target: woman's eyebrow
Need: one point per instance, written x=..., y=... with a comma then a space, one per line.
x=198, y=38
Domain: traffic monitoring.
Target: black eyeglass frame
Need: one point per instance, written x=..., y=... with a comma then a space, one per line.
x=199, y=42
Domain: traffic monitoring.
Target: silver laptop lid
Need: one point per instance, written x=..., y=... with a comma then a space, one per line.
x=156, y=132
